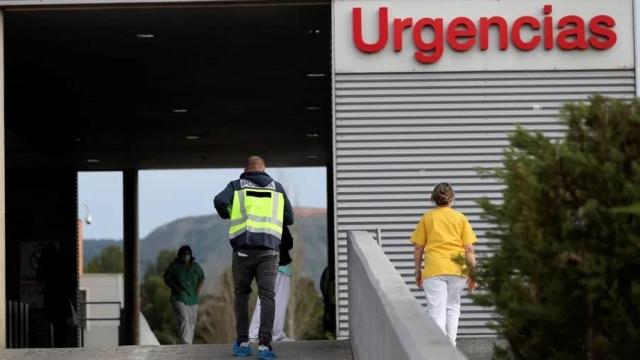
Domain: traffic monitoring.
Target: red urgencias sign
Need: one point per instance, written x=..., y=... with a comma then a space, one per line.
x=570, y=32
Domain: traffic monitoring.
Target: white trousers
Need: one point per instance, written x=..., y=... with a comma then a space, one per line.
x=282, y=301
x=186, y=317
x=443, y=302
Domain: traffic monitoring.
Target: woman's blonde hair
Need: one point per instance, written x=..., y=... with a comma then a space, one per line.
x=442, y=194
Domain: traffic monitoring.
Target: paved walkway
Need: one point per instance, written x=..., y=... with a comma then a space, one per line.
x=294, y=350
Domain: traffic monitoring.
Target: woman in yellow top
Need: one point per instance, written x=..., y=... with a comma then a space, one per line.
x=444, y=234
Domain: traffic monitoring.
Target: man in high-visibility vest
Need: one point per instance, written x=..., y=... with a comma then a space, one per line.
x=258, y=208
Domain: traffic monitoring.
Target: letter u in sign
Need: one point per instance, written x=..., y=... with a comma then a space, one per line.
x=383, y=31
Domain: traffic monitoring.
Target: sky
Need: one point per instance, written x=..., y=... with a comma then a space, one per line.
x=166, y=195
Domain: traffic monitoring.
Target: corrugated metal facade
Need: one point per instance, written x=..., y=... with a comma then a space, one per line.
x=397, y=134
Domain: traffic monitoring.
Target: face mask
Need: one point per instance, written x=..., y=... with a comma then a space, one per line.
x=186, y=258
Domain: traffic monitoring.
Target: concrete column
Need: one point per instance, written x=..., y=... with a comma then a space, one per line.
x=331, y=234
x=330, y=307
x=131, y=316
x=3, y=263
x=80, y=241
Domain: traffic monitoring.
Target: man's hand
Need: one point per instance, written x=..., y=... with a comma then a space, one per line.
x=471, y=284
x=419, y=279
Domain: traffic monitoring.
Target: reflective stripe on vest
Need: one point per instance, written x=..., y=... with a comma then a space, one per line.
x=258, y=210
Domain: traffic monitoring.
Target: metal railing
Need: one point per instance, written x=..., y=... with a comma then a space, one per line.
x=17, y=324
x=84, y=319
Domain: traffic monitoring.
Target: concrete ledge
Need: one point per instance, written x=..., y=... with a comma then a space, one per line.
x=385, y=320
x=291, y=350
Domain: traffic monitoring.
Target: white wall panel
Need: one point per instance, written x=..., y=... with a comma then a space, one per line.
x=351, y=60
x=398, y=134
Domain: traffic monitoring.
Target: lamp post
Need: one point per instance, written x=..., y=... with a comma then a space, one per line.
x=88, y=219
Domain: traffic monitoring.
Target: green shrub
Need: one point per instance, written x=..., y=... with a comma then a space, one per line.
x=565, y=281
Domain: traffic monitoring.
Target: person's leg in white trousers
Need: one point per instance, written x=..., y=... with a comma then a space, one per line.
x=193, y=314
x=443, y=295
x=186, y=317
x=282, y=301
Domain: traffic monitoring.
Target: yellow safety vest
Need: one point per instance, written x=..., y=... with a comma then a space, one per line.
x=256, y=209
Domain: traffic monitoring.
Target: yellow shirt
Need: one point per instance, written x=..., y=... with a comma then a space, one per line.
x=443, y=232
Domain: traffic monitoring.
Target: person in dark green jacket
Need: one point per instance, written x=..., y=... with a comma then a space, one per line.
x=185, y=278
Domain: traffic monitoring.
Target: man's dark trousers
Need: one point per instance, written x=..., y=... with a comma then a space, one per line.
x=263, y=265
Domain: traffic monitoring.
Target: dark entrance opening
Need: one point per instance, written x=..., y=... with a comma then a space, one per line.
x=155, y=87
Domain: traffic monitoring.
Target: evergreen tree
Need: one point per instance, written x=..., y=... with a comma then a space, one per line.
x=566, y=279
x=110, y=260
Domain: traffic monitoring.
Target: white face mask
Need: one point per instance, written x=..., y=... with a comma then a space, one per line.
x=186, y=258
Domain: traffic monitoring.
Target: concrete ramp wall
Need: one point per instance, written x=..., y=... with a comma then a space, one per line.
x=385, y=319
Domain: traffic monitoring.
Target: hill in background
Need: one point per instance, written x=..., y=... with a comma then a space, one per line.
x=207, y=236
